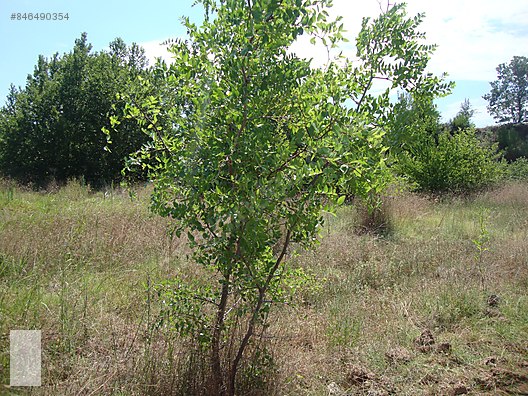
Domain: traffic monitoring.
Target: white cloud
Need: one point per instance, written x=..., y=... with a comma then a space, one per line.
x=473, y=37
x=481, y=118
x=155, y=49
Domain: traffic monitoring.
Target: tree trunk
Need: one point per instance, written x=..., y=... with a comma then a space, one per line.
x=254, y=316
x=217, y=377
x=244, y=344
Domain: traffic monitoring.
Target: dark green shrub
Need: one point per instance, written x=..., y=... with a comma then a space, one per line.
x=517, y=170
x=512, y=139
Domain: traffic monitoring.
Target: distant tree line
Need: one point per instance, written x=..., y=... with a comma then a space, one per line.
x=51, y=128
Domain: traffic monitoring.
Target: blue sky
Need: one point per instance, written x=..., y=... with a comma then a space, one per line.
x=473, y=36
x=22, y=41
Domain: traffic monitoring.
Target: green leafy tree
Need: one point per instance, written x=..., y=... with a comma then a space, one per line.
x=413, y=132
x=508, y=98
x=392, y=54
x=247, y=145
x=415, y=123
x=462, y=119
x=51, y=129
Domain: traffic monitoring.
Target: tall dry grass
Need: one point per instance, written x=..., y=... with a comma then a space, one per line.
x=83, y=266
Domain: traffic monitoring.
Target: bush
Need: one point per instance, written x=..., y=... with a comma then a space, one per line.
x=456, y=163
x=512, y=139
x=517, y=170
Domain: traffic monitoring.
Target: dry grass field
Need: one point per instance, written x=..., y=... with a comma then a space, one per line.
x=436, y=306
